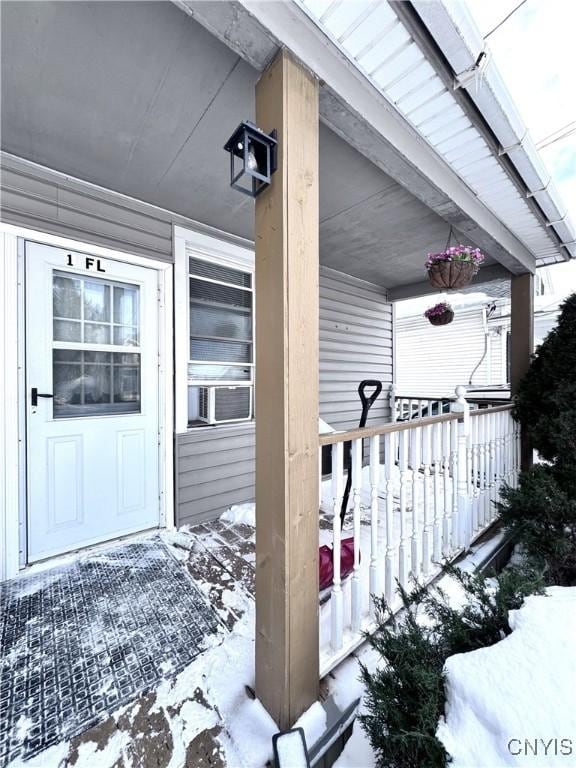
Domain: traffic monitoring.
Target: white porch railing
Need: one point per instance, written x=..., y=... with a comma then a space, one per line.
x=406, y=407
x=422, y=491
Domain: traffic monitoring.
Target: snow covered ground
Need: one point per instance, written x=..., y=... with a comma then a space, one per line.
x=510, y=704
x=514, y=703
x=206, y=714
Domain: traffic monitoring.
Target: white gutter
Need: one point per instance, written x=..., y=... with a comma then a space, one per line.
x=457, y=35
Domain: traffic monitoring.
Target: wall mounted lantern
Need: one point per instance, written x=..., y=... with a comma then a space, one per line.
x=252, y=158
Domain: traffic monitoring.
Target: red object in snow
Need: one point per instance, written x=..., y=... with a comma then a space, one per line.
x=326, y=562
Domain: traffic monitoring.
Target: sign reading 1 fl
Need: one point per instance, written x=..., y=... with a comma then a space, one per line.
x=90, y=263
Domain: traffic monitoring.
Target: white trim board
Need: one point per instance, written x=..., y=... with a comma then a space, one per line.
x=12, y=392
x=9, y=415
x=186, y=243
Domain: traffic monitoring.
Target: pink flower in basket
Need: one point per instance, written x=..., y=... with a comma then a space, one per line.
x=438, y=310
x=457, y=253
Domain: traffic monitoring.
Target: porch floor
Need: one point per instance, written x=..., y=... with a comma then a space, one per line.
x=104, y=655
x=173, y=616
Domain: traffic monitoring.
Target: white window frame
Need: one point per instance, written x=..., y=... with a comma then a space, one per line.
x=12, y=420
x=217, y=250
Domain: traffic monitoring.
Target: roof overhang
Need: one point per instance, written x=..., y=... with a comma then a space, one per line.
x=358, y=112
x=454, y=31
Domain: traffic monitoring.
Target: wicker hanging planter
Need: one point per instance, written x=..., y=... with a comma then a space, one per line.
x=451, y=274
x=440, y=314
x=454, y=267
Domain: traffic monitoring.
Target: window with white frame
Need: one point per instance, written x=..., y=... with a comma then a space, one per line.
x=220, y=370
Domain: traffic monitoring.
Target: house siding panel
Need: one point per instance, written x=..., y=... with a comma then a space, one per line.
x=215, y=466
x=431, y=361
x=39, y=198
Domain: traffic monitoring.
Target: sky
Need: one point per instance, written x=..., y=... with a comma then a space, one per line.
x=535, y=53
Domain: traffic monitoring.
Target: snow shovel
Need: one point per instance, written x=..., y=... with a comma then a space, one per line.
x=367, y=403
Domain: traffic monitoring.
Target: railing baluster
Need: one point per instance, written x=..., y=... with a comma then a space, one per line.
x=393, y=403
x=450, y=470
x=426, y=530
x=505, y=448
x=390, y=466
x=455, y=532
x=461, y=407
x=469, y=530
x=509, y=472
x=375, y=586
x=518, y=442
x=498, y=449
x=482, y=469
x=320, y=477
x=474, y=426
x=357, y=449
x=512, y=433
x=415, y=460
x=336, y=600
x=447, y=517
x=402, y=553
x=493, y=466
x=463, y=486
x=436, y=527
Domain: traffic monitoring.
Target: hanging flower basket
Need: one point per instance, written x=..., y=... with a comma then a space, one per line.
x=453, y=268
x=440, y=314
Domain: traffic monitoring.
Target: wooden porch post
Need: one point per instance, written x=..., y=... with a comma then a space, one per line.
x=521, y=342
x=287, y=658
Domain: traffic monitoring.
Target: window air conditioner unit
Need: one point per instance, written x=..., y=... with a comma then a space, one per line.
x=225, y=403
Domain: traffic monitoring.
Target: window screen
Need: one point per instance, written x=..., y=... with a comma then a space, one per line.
x=221, y=349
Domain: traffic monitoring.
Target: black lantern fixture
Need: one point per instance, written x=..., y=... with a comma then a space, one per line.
x=252, y=158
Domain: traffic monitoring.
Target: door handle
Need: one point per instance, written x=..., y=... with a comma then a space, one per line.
x=36, y=395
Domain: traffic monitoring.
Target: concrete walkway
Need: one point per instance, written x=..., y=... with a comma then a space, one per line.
x=161, y=606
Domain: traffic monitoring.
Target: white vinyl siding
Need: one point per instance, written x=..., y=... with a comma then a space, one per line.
x=432, y=360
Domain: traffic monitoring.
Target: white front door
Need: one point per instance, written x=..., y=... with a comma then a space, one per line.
x=92, y=399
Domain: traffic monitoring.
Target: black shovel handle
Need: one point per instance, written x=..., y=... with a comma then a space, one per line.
x=367, y=403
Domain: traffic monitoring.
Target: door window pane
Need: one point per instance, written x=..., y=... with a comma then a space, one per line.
x=95, y=333
x=96, y=301
x=126, y=305
x=95, y=383
x=67, y=330
x=94, y=311
x=67, y=297
x=125, y=336
x=127, y=380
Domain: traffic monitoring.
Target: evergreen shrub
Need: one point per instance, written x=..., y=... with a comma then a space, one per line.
x=546, y=398
x=405, y=696
x=541, y=512
x=541, y=515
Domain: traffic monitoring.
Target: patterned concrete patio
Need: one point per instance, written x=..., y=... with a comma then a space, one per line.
x=93, y=649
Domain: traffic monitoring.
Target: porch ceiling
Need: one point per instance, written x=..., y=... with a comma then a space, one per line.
x=139, y=98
